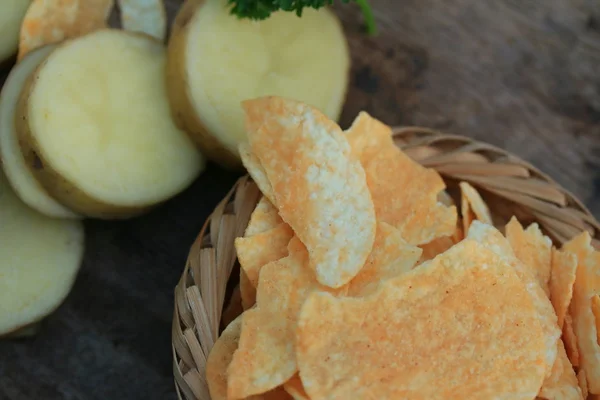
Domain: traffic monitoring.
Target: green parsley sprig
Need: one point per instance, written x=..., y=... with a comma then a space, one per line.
x=262, y=9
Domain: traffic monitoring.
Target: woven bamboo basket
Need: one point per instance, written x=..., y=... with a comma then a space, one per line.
x=206, y=298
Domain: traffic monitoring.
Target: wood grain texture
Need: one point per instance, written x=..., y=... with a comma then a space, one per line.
x=521, y=74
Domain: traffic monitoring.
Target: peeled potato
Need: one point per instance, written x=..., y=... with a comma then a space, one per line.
x=11, y=16
x=95, y=127
x=217, y=60
x=39, y=260
x=18, y=174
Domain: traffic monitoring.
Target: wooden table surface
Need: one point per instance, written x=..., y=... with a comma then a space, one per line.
x=521, y=74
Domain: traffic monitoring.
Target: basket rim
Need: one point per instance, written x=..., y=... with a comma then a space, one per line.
x=457, y=158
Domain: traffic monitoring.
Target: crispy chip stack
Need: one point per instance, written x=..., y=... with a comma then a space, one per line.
x=358, y=283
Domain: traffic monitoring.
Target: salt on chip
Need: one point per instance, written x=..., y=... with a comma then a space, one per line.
x=533, y=248
x=52, y=21
x=255, y=251
x=587, y=284
x=319, y=188
x=264, y=217
x=491, y=238
x=562, y=383
x=570, y=340
x=391, y=256
x=144, y=16
x=295, y=388
x=473, y=207
x=219, y=359
x=266, y=358
x=461, y=326
x=562, y=278
x=405, y=193
x=435, y=247
x=583, y=383
x=256, y=171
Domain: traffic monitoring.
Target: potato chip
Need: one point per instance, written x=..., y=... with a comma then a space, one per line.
x=52, y=21
x=491, y=238
x=570, y=341
x=320, y=190
x=295, y=388
x=417, y=213
x=144, y=16
x=391, y=256
x=532, y=248
x=562, y=383
x=596, y=312
x=219, y=359
x=583, y=383
x=367, y=136
x=587, y=284
x=265, y=357
x=256, y=171
x=461, y=326
x=562, y=278
x=247, y=291
x=255, y=251
x=264, y=217
x=435, y=247
x=473, y=207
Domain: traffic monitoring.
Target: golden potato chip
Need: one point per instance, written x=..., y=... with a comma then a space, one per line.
x=320, y=190
x=295, y=388
x=52, y=21
x=596, y=312
x=491, y=238
x=266, y=357
x=367, y=136
x=219, y=359
x=255, y=251
x=256, y=171
x=264, y=217
x=583, y=383
x=587, y=284
x=417, y=213
x=570, y=340
x=391, y=256
x=435, y=247
x=532, y=248
x=562, y=383
x=461, y=326
x=562, y=278
x=145, y=16
x=473, y=207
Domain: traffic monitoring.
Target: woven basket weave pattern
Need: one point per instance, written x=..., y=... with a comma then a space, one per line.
x=509, y=185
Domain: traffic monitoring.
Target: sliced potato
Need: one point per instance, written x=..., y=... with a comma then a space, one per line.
x=18, y=174
x=95, y=127
x=11, y=16
x=216, y=61
x=40, y=258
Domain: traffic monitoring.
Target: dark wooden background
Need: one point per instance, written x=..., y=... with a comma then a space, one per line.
x=521, y=74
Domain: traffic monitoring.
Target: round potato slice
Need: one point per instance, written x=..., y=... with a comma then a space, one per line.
x=19, y=176
x=39, y=260
x=95, y=126
x=11, y=16
x=216, y=61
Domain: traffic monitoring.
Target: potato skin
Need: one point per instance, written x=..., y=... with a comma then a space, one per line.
x=56, y=185
x=182, y=108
